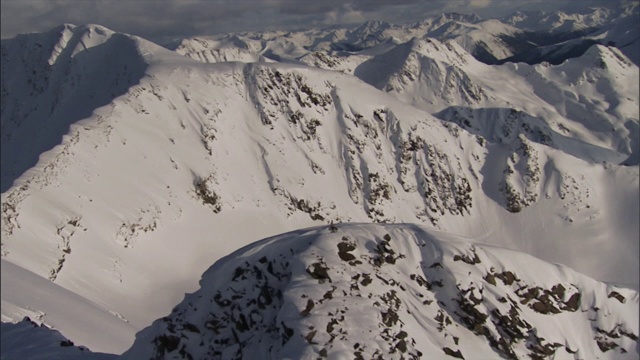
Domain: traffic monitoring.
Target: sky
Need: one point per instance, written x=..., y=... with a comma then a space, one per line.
x=164, y=20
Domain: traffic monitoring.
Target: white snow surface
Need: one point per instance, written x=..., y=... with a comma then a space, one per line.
x=128, y=169
x=376, y=291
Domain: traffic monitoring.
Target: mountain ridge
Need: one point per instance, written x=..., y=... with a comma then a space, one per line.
x=182, y=148
x=305, y=294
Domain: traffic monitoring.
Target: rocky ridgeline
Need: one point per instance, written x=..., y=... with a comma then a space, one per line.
x=422, y=167
x=360, y=291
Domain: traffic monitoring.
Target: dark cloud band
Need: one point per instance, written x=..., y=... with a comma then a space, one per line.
x=163, y=19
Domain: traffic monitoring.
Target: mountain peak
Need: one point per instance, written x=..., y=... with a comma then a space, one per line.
x=61, y=67
x=378, y=291
x=454, y=16
x=605, y=57
x=370, y=26
x=113, y=148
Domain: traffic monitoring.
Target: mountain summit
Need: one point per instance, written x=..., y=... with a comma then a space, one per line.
x=128, y=169
x=368, y=291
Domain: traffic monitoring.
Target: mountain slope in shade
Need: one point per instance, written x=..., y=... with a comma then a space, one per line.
x=28, y=340
x=62, y=74
x=621, y=33
x=392, y=292
x=141, y=196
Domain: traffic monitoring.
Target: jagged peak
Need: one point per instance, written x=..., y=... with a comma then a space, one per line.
x=448, y=27
x=439, y=20
x=194, y=45
x=408, y=59
x=454, y=16
x=372, y=26
x=559, y=21
x=605, y=56
x=79, y=38
x=67, y=38
x=442, y=50
x=83, y=29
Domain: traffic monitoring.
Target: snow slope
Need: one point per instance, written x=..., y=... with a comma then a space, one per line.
x=592, y=98
x=368, y=291
x=431, y=74
x=131, y=168
x=28, y=340
x=29, y=295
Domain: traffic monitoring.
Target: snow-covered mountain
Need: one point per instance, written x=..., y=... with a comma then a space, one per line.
x=54, y=79
x=531, y=37
x=128, y=168
x=620, y=32
x=392, y=292
x=437, y=76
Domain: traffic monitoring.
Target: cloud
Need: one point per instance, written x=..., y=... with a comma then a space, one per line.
x=179, y=18
x=479, y=3
x=326, y=6
x=164, y=19
x=346, y=14
x=141, y=17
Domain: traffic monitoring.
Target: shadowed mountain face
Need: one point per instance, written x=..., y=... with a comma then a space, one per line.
x=128, y=169
x=52, y=80
x=28, y=340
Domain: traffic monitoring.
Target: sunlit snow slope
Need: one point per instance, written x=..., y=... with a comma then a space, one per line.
x=392, y=292
x=128, y=169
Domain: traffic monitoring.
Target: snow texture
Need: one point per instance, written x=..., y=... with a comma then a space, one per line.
x=368, y=291
x=128, y=169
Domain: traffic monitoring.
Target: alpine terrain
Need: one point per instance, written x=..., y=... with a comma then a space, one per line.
x=457, y=187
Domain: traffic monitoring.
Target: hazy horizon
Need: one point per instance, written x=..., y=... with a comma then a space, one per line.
x=162, y=21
